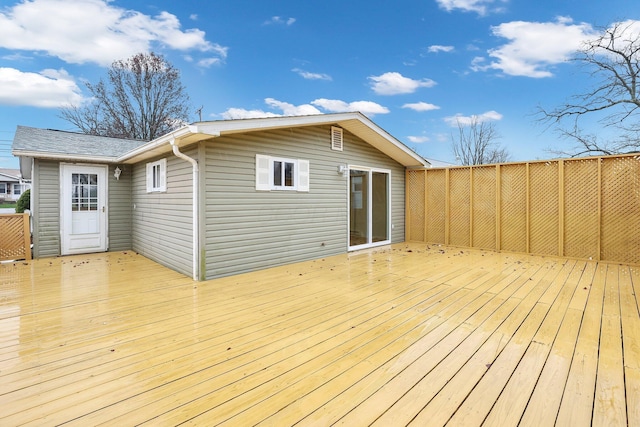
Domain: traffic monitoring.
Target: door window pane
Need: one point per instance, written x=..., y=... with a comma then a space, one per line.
x=84, y=192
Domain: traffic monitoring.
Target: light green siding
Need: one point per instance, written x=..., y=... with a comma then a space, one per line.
x=46, y=208
x=119, y=209
x=248, y=230
x=162, y=222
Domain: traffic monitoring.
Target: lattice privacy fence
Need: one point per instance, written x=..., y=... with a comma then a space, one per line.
x=15, y=237
x=580, y=208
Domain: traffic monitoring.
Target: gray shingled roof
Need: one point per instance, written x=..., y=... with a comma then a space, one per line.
x=48, y=141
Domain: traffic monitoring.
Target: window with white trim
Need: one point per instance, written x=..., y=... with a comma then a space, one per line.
x=157, y=176
x=17, y=189
x=276, y=173
x=3, y=188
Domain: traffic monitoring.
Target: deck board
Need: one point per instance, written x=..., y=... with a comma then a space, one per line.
x=409, y=334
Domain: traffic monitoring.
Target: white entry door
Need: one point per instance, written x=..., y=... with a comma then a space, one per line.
x=83, y=209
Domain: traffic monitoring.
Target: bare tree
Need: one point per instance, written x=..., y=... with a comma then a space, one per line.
x=613, y=60
x=476, y=143
x=143, y=98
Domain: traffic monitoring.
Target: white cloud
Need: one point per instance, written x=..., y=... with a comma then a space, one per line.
x=394, y=83
x=367, y=108
x=208, y=62
x=311, y=76
x=467, y=120
x=534, y=47
x=418, y=139
x=481, y=7
x=47, y=89
x=278, y=20
x=287, y=109
x=292, y=110
x=421, y=106
x=80, y=31
x=439, y=48
x=241, y=113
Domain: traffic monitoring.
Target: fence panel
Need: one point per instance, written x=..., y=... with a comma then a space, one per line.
x=621, y=209
x=460, y=207
x=543, y=208
x=415, y=206
x=581, y=209
x=585, y=208
x=513, y=207
x=436, y=204
x=15, y=237
x=484, y=207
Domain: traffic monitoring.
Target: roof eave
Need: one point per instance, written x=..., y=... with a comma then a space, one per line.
x=63, y=156
x=370, y=133
x=182, y=136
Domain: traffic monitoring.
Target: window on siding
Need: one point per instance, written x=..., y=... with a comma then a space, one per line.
x=273, y=173
x=17, y=189
x=157, y=176
x=3, y=188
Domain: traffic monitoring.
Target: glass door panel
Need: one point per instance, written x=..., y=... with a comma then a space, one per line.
x=369, y=214
x=359, y=207
x=380, y=206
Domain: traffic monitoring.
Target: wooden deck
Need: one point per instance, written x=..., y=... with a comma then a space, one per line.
x=405, y=335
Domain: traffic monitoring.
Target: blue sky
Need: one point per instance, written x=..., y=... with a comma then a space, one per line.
x=415, y=67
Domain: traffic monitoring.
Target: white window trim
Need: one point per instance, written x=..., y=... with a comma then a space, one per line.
x=19, y=187
x=3, y=186
x=162, y=178
x=265, y=169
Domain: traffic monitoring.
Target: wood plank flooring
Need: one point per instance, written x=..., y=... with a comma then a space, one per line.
x=409, y=334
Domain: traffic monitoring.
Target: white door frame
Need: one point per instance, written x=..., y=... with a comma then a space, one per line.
x=370, y=171
x=94, y=237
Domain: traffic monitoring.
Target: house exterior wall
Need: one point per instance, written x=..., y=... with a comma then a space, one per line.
x=46, y=209
x=45, y=199
x=120, y=209
x=247, y=230
x=162, y=223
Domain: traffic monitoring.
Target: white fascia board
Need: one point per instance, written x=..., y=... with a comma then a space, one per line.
x=164, y=139
x=182, y=136
x=62, y=156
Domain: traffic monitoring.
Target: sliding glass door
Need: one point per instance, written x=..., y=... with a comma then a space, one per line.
x=369, y=207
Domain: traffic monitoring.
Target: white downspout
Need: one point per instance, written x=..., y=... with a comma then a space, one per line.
x=196, y=216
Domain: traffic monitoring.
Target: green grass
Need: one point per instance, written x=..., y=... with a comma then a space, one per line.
x=7, y=205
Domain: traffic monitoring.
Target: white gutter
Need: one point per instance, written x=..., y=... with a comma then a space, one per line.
x=171, y=136
x=196, y=216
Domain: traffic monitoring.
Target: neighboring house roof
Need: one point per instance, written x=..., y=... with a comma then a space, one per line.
x=440, y=164
x=45, y=143
x=10, y=175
